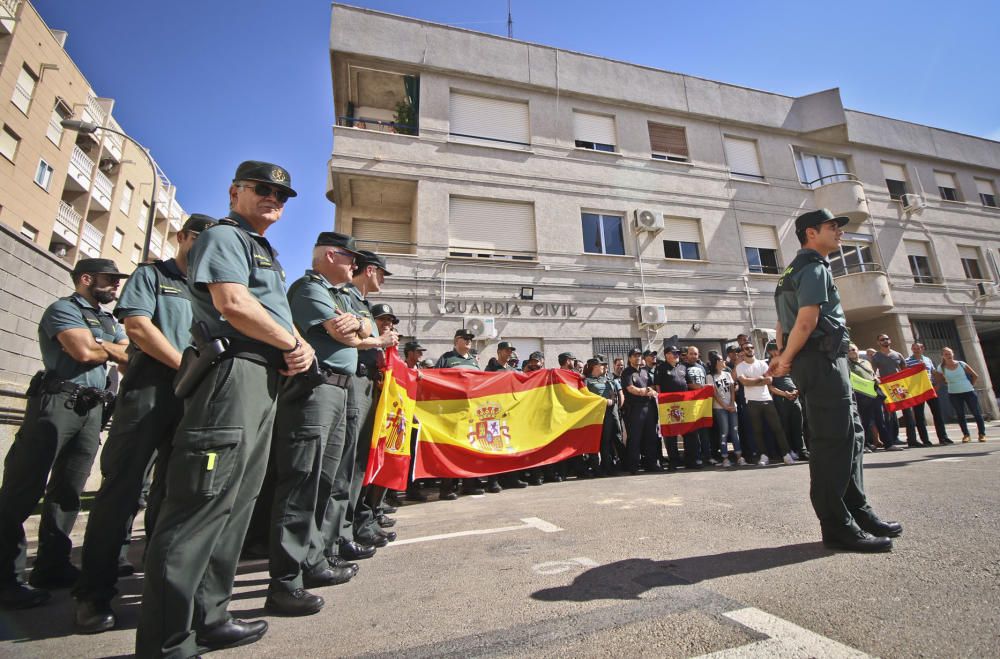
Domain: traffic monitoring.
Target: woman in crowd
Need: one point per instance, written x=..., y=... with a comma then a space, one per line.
x=961, y=381
x=724, y=408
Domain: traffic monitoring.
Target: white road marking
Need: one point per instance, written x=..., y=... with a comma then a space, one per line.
x=529, y=523
x=786, y=640
x=558, y=567
x=946, y=460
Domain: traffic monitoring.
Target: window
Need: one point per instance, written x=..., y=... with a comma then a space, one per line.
x=382, y=235
x=489, y=119
x=594, y=131
x=125, y=204
x=816, y=170
x=895, y=180
x=136, y=254
x=987, y=193
x=55, y=129
x=854, y=255
x=685, y=239
x=970, y=261
x=947, y=187
x=117, y=238
x=761, y=248
x=612, y=348
x=603, y=234
x=142, y=218
x=29, y=232
x=668, y=142
x=741, y=154
x=43, y=175
x=487, y=228
x=8, y=143
x=24, y=88
x=918, y=254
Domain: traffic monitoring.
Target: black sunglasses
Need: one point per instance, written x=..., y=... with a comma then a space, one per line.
x=264, y=190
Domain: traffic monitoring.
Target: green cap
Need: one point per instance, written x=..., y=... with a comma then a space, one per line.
x=97, y=267
x=196, y=223
x=334, y=239
x=265, y=172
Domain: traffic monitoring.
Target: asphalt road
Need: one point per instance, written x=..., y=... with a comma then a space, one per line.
x=665, y=565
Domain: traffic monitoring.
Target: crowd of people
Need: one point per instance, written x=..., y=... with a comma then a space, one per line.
x=244, y=419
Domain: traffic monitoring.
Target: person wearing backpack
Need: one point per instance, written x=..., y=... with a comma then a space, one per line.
x=961, y=380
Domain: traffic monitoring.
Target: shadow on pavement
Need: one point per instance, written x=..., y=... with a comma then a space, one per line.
x=629, y=579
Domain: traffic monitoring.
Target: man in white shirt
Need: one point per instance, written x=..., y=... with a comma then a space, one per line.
x=752, y=374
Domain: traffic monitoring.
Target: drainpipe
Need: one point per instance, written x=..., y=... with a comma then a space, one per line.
x=746, y=287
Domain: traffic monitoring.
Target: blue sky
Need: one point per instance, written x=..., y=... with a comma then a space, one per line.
x=205, y=84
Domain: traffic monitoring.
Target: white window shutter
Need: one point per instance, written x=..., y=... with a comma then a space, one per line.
x=893, y=172
x=741, y=155
x=944, y=180
x=967, y=252
x=984, y=186
x=492, y=225
x=682, y=229
x=916, y=248
x=595, y=128
x=490, y=118
x=381, y=236
x=760, y=236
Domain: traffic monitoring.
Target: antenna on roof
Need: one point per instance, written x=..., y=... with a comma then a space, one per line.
x=510, y=22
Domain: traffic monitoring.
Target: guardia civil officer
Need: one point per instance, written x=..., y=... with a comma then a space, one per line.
x=461, y=356
x=60, y=433
x=220, y=449
x=156, y=311
x=815, y=352
x=309, y=430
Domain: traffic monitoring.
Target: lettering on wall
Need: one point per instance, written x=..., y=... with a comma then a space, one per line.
x=511, y=309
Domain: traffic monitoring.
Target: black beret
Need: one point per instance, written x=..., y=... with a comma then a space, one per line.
x=256, y=170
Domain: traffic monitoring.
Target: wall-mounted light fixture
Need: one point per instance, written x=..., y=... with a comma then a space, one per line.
x=527, y=292
x=695, y=327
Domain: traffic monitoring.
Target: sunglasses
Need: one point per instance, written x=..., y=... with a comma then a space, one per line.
x=264, y=190
x=748, y=349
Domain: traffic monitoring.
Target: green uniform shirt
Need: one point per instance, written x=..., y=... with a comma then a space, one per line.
x=238, y=255
x=161, y=296
x=601, y=386
x=452, y=359
x=314, y=300
x=370, y=357
x=65, y=314
x=813, y=284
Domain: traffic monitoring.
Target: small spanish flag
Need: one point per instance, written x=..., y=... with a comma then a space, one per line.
x=685, y=411
x=907, y=388
x=389, y=457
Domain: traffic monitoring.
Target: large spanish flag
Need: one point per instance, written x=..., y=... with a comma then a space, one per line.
x=475, y=423
x=685, y=411
x=907, y=388
x=389, y=457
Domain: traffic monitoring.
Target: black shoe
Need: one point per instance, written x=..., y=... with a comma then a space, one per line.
x=377, y=541
x=514, y=484
x=448, y=496
x=393, y=500
x=945, y=441
x=337, y=561
x=804, y=455
x=847, y=540
x=19, y=595
x=671, y=468
x=388, y=535
x=915, y=445
x=415, y=495
x=928, y=443
x=93, y=617
x=557, y=478
x=893, y=447
x=353, y=551
x=493, y=486
x=388, y=510
x=325, y=575
x=125, y=568
x=879, y=528
x=64, y=576
x=385, y=521
x=232, y=633
x=299, y=602
x=473, y=490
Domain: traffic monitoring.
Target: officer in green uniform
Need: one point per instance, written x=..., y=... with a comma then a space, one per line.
x=369, y=276
x=309, y=430
x=156, y=311
x=815, y=352
x=60, y=433
x=461, y=356
x=220, y=449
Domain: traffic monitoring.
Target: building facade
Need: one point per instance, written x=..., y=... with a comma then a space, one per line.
x=566, y=202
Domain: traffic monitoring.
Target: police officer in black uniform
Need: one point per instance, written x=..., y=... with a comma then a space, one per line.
x=813, y=335
x=641, y=416
x=60, y=433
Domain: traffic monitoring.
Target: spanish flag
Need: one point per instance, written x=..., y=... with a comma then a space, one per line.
x=389, y=457
x=907, y=388
x=685, y=411
x=475, y=423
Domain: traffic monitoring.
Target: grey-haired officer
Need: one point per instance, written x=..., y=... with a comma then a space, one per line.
x=60, y=433
x=811, y=329
x=155, y=308
x=369, y=275
x=219, y=453
x=310, y=428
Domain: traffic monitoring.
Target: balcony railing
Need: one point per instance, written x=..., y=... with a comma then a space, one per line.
x=94, y=112
x=55, y=129
x=379, y=125
x=103, y=189
x=92, y=239
x=854, y=268
x=114, y=143
x=155, y=244
x=67, y=223
x=80, y=167
x=175, y=209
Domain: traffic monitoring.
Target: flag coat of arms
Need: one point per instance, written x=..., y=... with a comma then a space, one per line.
x=907, y=388
x=389, y=457
x=682, y=412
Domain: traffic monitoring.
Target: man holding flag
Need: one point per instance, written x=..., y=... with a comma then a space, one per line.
x=815, y=352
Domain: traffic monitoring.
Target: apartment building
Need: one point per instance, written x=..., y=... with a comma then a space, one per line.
x=567, y=202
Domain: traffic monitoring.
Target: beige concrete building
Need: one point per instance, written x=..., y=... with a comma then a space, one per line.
x=564, y=201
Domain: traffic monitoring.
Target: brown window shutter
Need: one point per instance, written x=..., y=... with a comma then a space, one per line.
x=669, y=140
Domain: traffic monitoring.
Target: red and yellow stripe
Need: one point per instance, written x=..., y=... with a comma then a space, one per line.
x=685, y=411
x=907, y=388
x=389, y=456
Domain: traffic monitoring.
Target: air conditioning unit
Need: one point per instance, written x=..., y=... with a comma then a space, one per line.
x=647, y=220
x=484, y=327
x=986, y=289
x=652, y=314
x=912, y=203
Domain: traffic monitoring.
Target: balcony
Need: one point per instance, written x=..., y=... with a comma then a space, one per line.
x=844, y=195
x=8, y=12
x=155, y=244
x=93, y=112
x=92, y=239
x=113, y=145
x=169, y=251
x=864, y=292
x=103, y=189
x=380, y=125
x=380, y=100
x=80, y=168
x=67, y=224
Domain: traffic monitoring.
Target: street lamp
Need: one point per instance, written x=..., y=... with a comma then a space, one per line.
x=89, y=128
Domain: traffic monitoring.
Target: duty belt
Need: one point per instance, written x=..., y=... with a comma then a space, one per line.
x=336, y=379
x=255, y=351
x=90, y=397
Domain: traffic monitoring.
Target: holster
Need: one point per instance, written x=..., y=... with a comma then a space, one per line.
x=300, y=385
x=197, y=360
x=35, y=385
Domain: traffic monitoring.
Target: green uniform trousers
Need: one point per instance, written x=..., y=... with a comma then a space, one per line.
x=216, y=466
x=836, y=489
x=146, y=416
x=359, y=407
x=56, y=439
x=302, y=428
x=363, y=499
